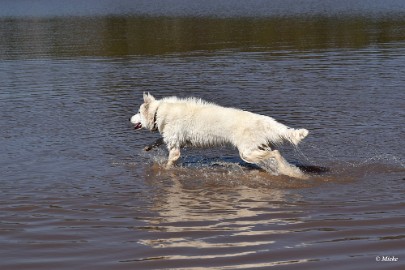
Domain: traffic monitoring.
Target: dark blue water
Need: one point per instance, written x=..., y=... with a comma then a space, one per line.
x=194, y=8
x=78, y=192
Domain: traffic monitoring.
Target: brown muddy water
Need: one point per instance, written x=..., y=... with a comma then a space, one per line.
x=78, y=192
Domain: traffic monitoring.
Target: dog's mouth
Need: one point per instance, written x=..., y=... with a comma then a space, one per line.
x=137, y=126
x=136, y=121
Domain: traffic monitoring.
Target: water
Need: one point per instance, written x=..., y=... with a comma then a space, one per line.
x=78, y=192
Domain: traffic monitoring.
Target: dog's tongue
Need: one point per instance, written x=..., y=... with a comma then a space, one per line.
x=138, y=126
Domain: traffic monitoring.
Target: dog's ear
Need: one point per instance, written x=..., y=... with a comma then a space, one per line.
x=148, y=98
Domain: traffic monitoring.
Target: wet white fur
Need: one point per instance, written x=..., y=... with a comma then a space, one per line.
x=199, y=123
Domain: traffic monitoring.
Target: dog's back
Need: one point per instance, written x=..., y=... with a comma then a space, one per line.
x=199, y=123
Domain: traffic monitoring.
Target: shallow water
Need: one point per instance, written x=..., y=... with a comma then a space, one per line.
x=78, y=192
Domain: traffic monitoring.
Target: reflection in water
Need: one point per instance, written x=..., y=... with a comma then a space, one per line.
x=222, y=219
x=217, y=219
x=76, y=191
x=123, y=36
x=182, y=205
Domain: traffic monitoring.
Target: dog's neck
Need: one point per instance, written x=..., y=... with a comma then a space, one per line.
x=155, y=125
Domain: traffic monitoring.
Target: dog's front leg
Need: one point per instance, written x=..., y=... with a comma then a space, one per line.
x=174, y=155
x=157, y=143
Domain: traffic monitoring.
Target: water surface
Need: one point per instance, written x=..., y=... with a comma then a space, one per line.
x=78, y=192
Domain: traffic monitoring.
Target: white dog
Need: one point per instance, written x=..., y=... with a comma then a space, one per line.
x=194, y=122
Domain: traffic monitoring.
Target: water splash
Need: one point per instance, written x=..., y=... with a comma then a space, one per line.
x=380, y=158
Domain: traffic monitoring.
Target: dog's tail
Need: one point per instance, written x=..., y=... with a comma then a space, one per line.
x=296, y=135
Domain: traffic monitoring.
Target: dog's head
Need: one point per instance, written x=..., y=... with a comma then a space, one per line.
x=145, y=118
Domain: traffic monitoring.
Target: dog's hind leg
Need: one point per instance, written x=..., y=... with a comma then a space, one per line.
x=258, y=156
x=174, y=155
x=284, y=167
x=272, y=162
